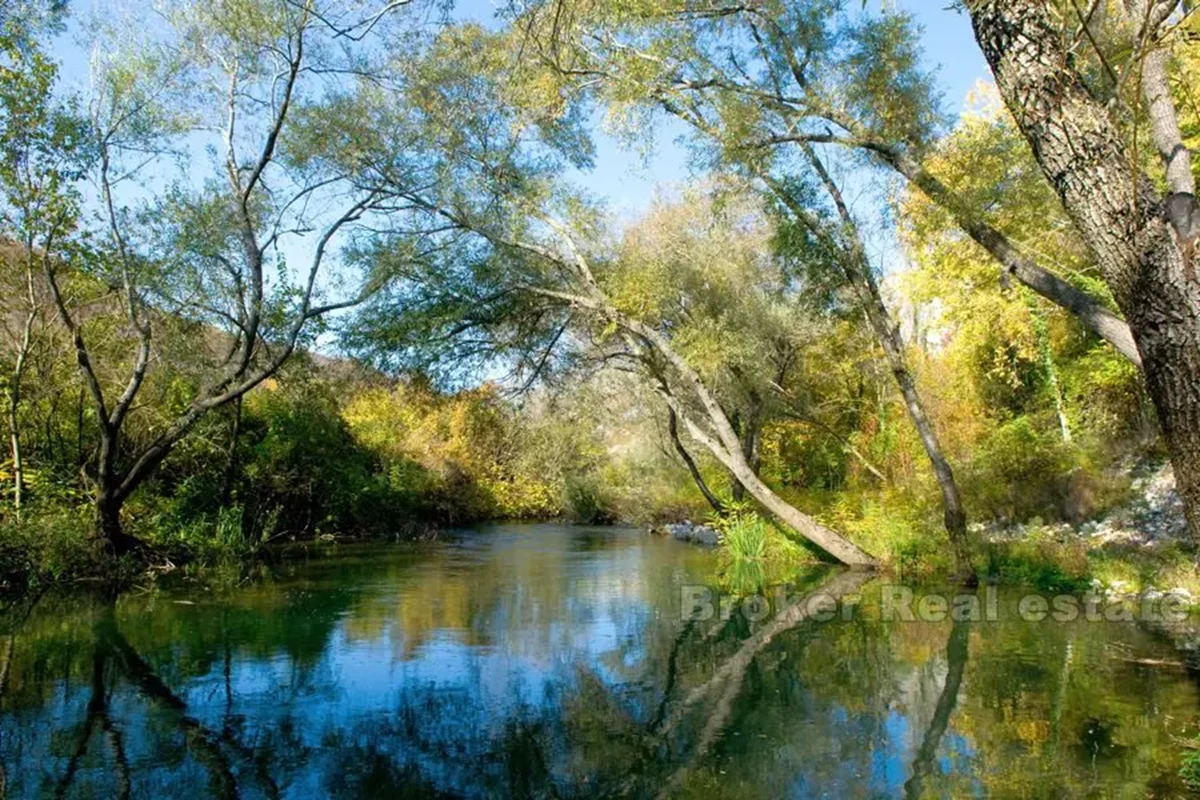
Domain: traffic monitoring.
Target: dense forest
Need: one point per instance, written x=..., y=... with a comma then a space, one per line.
x=291, y=269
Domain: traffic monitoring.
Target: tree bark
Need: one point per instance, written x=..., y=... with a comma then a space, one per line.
x=1126, y=222
x=109, y=529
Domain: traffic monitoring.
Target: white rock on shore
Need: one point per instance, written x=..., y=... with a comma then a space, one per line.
x=1154, y=517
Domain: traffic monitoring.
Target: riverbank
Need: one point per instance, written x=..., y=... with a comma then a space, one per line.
x=1137, y=549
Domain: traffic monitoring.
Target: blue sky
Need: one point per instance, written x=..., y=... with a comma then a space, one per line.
x=627, y=180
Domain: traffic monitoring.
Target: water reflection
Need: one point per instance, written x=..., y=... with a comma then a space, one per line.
x=546, y=661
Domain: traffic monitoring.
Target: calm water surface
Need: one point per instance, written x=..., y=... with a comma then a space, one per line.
x=551, y=661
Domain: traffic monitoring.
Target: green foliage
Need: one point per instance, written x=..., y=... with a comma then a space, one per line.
x=586, y=500
x=49, y=544
x=216, y=538
x=745, y=535
x=901, y=524
x=1040, y=561
x=480, y=124
x=1189, y=768
x=1014, y=473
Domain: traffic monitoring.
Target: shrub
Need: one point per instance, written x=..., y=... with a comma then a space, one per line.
x=745, y=536
x=50, y=543
x=586, y=501
x=1017, y=472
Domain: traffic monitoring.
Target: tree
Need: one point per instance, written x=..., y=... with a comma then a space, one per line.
x=1141, y=236
x=40, y=159
x=672, y=56
x=643, y=321
x=682, y=388
x=270, y=88
x=1005, y=342
x=529, y=260
x=748, y=55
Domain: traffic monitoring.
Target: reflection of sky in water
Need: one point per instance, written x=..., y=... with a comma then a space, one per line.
x=533, y=652
x=535, y=660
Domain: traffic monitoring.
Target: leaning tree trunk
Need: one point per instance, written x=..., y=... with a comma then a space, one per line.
x=1126, y=222
x=690, y=463
x=726, y=450
x=856, y=269
x=723, y=443
x=1090, y=312
x=954, y=516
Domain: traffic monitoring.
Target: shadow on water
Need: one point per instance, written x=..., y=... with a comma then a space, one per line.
x=543, y=661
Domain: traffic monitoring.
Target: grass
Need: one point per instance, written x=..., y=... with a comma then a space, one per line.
x=758, y=552
x=1190, y=764
x=745, y=536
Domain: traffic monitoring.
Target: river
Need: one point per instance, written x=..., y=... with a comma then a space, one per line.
x=556, y=661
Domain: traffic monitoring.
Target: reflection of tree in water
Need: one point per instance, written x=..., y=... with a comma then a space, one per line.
x=956, y=664
x=217, y=696
x=112, y=659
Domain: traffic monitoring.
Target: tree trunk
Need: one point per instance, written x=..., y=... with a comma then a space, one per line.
x=750, y=439
x=736, y=490
x=724, y=443
x=14, y=399
x=14, y=436
x=109, y=500
x=954, y=516
x=856, y=269
x=109, y=529
x=828, y=540
x=690, y=463
x=1089, y=311
x=750, y=435
x=231, y=464
x=842, y=549
x=1124, y=220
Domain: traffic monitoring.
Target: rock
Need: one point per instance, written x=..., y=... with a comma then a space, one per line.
x=1179, y=593
x=688, y=531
